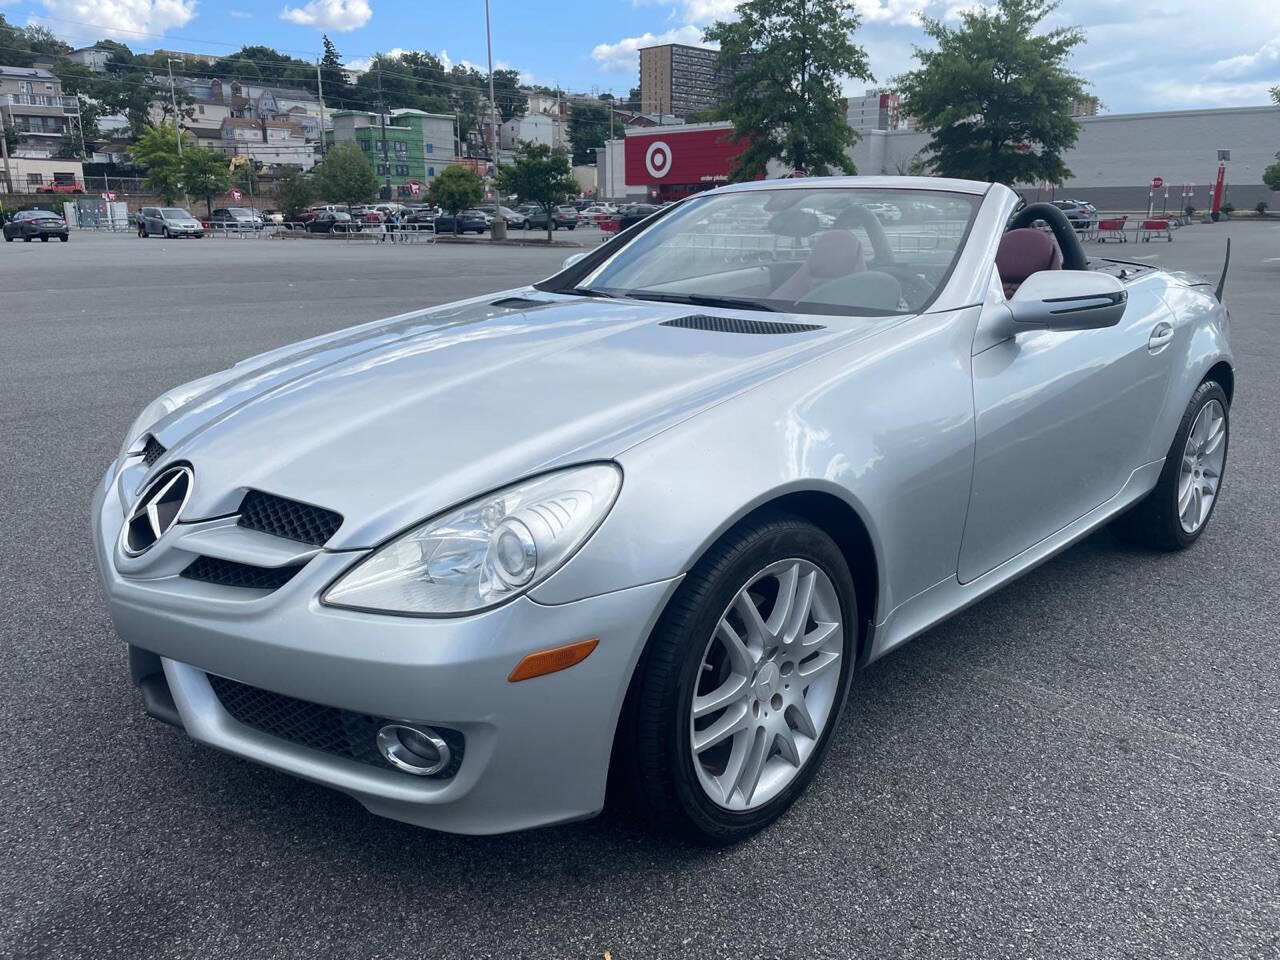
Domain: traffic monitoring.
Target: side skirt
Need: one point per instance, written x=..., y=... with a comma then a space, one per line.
x=935, y=604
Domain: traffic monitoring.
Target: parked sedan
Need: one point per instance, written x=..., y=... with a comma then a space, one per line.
x=168, y=222
x=331, y=221
x=468, y=221
x=474, y=563
x=1082, y=215
x=27, y=225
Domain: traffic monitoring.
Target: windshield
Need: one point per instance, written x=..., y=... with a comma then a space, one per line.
x=830, y=250
x=239, y=212
x=174, y=213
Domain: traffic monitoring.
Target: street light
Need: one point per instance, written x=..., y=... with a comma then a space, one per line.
x=173, y=99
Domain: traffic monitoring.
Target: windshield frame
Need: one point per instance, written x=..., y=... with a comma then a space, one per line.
x=567, y=281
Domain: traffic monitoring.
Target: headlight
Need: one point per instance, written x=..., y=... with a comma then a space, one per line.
x=485, y=552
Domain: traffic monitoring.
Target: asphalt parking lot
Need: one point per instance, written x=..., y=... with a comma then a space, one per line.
x=1087, y=764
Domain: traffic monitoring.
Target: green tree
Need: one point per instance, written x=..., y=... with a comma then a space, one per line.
x=334, y=80
x=786, y=59
x=588, y=130
x=539, y=174
x=995, y=97
x=156, y=151
x=10, y=136
x=42, y=40
x=205, y=174
x=1271, y=175
x=346, y=175
x=509, y=98
x=454, y=189
x=293, y=191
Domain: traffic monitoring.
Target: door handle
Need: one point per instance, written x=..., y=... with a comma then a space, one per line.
x=1161, y=337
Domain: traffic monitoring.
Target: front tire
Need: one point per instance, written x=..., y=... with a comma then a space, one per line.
x=743, y=682
x=1176, y=512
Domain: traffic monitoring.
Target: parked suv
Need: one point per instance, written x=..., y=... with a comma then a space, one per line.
x=469, y=221
x=168, y=222
x=562, y=216
x=1080, y=213
x=236, y=218
x=29, y=224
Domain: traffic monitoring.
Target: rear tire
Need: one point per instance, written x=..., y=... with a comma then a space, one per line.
x=64, y=238
x=696, y=795
x=44, y=239
x=1174, y=514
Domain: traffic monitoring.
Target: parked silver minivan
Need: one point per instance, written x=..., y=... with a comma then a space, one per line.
x=168, y=222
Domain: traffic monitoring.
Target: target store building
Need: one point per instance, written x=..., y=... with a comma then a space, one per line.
x=669, y=162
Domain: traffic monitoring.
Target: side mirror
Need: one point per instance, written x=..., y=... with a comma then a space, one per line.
x=571, y=259
x=1068, y=300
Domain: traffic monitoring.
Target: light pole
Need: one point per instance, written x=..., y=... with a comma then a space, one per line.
x=493, y=103
x=173, y=100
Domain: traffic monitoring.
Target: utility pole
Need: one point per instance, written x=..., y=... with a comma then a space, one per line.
x=320, y=94
x=173, y=99
x=493, y=102
x=84, y=152
x=382, y=119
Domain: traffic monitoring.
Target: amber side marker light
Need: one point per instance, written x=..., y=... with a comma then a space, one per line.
x=553, y=660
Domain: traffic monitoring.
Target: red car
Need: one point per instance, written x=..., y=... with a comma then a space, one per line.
x=72, y=187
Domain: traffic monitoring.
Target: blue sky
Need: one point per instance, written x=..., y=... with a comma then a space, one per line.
x=1140, y=55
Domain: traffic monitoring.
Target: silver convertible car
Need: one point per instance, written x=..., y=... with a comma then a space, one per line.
x=636, y=526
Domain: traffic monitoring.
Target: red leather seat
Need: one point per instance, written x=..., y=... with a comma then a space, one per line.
x=1024, y=252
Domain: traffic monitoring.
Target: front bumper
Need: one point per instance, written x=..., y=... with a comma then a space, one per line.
x=536, y=752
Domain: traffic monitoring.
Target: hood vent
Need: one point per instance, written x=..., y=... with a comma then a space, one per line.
x=518, y=303
x=152, y=451
x=738, y=325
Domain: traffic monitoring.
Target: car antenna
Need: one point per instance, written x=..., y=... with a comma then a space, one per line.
x=1222, y=280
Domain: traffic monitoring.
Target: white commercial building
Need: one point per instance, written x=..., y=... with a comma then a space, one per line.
x=1117, y=155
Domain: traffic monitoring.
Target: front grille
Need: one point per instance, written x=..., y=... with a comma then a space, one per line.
x=339, y=732
x=228, y=573
x=286, y=518
x=738, y=325
x=152, y=451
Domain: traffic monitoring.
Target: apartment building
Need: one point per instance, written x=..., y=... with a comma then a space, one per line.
x=31, y=101
x=417, y=146
x=677, y=79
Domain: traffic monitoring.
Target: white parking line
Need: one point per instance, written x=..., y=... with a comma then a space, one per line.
x=1272, y=260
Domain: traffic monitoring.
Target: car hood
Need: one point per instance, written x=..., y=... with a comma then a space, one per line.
x=391, y=422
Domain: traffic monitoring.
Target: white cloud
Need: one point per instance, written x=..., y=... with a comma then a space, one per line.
x=130, y=21
x=340, y=15
x=1264, y=62
x=898, y=13
x=622, y=57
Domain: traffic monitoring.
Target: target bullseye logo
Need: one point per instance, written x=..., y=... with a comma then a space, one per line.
x=657, y=159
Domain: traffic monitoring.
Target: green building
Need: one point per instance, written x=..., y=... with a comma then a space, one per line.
x=418, y=145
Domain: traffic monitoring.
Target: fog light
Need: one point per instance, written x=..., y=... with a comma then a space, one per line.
x=417, y=750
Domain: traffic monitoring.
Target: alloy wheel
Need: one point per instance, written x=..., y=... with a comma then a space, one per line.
x=1203, y=458
x=767, y=684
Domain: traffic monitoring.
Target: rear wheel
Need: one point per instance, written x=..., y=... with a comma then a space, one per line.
x=1176, y=512
x=743, y=682
x=44, y=239
x=64, y=238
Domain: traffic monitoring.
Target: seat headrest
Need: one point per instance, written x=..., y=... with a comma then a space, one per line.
x=835, y=254
x=1023, y=252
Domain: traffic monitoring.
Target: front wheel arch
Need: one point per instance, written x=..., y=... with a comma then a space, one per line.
x=839, y=520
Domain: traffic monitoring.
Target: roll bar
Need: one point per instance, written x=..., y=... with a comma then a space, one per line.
x=1073, y=255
